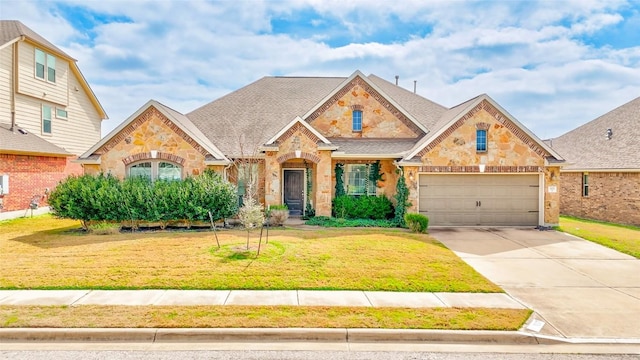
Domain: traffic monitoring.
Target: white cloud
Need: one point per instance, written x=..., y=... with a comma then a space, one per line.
x=529, y=56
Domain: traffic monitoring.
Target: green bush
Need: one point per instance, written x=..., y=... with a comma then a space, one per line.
x=416, y=222
x=279, y=207
x=362, y=207
x=104, y=197
x=333, y=222
x=88, y=198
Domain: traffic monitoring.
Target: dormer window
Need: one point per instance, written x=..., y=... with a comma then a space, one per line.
x=357, y=120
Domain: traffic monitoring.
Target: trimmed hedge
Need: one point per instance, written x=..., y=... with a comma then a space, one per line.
x=107, y=198
x=416, y=222
x=362, y=207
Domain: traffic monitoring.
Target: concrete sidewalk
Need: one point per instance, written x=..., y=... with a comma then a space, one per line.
x=257, y=297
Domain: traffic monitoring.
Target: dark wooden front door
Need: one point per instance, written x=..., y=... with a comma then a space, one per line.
x=294, y=191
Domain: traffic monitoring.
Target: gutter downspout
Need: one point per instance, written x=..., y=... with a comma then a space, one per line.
x=14, y=82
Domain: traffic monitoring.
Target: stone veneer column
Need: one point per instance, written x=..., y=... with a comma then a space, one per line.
x=413, y=187
x=551, y=199
x=272, y=183
x=323, y=184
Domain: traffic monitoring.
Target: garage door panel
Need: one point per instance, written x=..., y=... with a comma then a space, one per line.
x=479, y=199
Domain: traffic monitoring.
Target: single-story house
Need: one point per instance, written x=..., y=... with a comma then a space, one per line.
x=601, y=179
x=473, y=164
x=48, y=116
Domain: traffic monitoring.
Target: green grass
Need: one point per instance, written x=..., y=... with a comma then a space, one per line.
x=89, y=316
x=48, y=253
x=623, y=238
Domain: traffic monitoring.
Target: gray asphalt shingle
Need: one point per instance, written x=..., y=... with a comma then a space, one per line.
x=587, y=147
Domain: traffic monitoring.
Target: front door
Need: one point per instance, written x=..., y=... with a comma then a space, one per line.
x=294, y=191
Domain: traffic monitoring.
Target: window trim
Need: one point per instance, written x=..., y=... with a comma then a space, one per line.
x=44, y=119
x=155, y=166
x=484, y=142
x=49, y=60
x=585, y=184
x=353, y=120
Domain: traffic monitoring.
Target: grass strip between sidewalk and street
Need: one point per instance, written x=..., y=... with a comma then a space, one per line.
x=623, y=238
x=90, y=316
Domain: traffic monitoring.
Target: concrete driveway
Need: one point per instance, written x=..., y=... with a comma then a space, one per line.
x=580, y=289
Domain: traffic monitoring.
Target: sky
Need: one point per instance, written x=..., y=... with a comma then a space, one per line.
x=553, y=65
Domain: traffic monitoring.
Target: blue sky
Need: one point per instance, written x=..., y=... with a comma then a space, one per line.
x=553, y=65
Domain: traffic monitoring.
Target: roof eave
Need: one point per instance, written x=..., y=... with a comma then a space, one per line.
x=35, y=153
x=341, y=155
x=82, y=161
x=595, y=170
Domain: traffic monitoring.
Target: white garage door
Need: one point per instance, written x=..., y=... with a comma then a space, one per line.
x=480, y=199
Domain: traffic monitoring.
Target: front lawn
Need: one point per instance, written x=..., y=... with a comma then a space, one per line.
x=623, y=238
x=48, y=253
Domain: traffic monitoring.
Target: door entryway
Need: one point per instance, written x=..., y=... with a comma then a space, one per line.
x=294, y=191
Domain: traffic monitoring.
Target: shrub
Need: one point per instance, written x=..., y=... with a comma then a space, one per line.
x=278, y=214
x=416, y=222
x=106, y=198
x=402, y=200
x=326, y=221
x=362, y=207
x=88, y=198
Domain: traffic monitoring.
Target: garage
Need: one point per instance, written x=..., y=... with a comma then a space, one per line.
x=480, y=199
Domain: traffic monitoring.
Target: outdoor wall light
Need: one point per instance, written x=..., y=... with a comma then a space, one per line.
x=411, y=175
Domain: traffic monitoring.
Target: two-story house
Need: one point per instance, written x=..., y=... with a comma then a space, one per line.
x=297, y=140
x=48, y=116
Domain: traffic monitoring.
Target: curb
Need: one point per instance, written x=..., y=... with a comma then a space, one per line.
x=164, y=335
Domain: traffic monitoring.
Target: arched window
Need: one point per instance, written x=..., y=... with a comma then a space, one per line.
x=156, y=169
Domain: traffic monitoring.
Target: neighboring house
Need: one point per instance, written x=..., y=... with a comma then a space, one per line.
x=601, y=179
x=473, y=164
x=48, y=116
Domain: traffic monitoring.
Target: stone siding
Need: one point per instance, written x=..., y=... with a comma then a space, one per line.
x=151, y=131
x=613, y=196
x=509, y=150
x=378, y=119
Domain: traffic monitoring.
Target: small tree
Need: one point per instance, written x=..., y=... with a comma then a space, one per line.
x=250, y=214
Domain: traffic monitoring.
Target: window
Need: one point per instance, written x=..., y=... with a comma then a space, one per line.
x=46, y=62
x=481, y=140
x=247, y=180
x=585, y=184
x=46, y=119
x=357, y=180
x=153, y=170
x=357, y=120
x=61, y=113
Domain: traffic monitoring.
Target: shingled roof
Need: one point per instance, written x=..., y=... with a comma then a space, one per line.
x=258, y=110
x=12, y=30
x=589, y=148
x=23, y=142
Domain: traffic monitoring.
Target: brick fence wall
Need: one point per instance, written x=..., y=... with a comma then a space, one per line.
x=613, y=196
x=30, y=176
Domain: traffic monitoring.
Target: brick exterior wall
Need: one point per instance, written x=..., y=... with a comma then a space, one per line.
x=613, y=196
x=30, y=176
